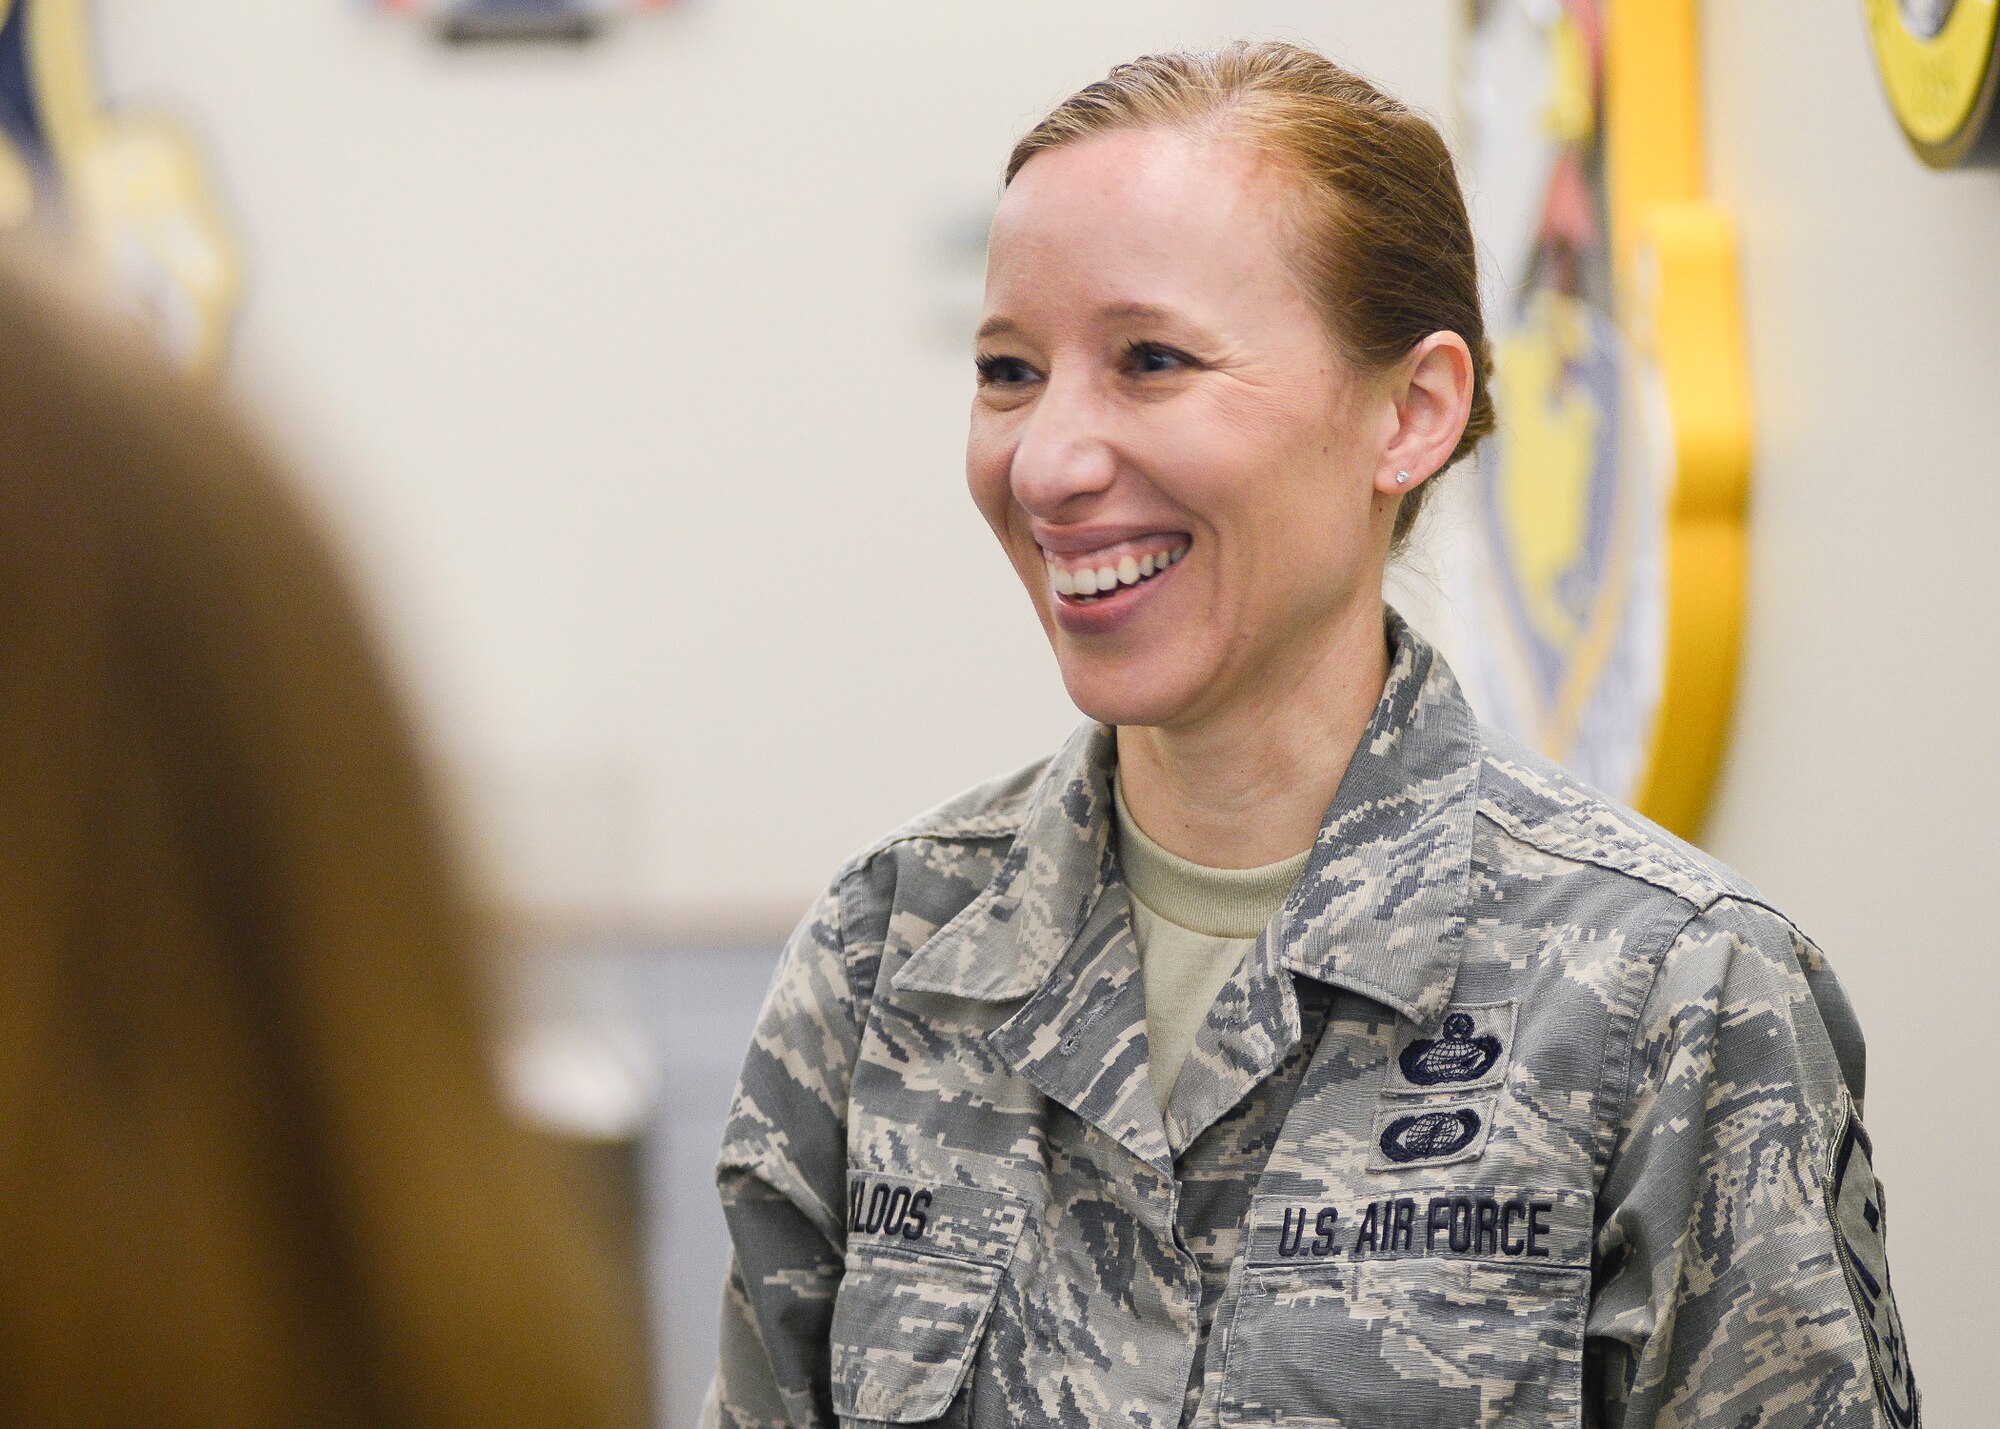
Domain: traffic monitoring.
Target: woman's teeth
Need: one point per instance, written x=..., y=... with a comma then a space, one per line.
x=1127, y=570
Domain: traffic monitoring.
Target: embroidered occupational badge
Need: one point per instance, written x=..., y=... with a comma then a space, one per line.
x=1447, y=1134
x=1430, y=1136
x=1858, y=1210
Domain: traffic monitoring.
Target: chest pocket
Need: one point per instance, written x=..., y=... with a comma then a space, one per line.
x=924, y=1266
x=1399, y=1334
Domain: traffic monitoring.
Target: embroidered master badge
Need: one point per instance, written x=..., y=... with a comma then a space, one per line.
x=1458, y=1056
x=1858, y=1210
x=1468, y=1050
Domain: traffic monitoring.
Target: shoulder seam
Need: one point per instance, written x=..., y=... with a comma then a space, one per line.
x=1713, y=888
x=1652, y=962
x=858, y=861
x=978, y=826
x=1758, y=901
x=860, y=1004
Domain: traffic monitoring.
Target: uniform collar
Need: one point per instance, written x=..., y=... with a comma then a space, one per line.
x=1379, y=908
x=1006, y=941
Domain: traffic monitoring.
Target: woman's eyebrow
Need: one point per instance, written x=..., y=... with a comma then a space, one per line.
x=1150, y=312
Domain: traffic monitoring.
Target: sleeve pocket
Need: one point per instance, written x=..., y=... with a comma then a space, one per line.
x=911, y=1308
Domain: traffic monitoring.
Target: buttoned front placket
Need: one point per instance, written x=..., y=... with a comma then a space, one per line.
x=1110, y=1292
x=1080, y=1039
x=1226, y=1117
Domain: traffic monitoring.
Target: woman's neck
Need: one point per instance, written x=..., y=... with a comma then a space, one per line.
x=1248, y=784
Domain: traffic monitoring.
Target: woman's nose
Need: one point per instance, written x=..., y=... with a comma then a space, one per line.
x=1065, y=453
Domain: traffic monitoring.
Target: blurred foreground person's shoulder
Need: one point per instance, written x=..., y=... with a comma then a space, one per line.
x=254, y=1169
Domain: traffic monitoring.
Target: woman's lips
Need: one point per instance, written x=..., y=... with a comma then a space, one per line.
x=1100, y=610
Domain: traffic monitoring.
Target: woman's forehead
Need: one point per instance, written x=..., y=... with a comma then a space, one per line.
x=1138, y=217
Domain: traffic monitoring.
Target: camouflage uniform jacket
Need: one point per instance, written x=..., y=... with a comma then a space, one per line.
x=1519, y=1112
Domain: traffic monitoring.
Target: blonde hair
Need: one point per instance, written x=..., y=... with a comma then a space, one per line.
x=1382, y=237
x=253, y=1169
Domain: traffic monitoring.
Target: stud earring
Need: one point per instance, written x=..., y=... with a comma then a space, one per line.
x=1402, y=478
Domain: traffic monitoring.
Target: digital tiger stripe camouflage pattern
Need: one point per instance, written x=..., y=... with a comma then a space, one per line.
x=1520, y=1112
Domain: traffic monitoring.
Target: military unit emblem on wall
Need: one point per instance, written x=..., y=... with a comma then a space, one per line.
x=1602, y=572
x=130, y=187
x=1940, y=67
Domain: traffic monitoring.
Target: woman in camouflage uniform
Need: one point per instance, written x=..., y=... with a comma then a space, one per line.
x=1503, y=1107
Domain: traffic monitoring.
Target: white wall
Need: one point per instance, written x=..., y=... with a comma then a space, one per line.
x=639, y=377
x=1863, y=781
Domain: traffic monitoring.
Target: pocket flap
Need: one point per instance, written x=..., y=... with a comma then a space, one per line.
x=1418, y=1341
x=924, y=1265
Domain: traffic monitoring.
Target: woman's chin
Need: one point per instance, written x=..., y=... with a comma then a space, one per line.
x=1125, y=697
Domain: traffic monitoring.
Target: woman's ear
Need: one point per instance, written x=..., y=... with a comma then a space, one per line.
x=1431, y=389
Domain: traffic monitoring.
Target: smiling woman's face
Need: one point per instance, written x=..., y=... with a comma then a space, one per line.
x=1157, y=393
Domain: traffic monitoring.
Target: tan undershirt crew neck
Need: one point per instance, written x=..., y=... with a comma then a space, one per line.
x=1193, y=924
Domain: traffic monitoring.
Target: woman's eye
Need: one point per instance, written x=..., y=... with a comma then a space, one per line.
x=1005, y=371
x=1152, y=357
